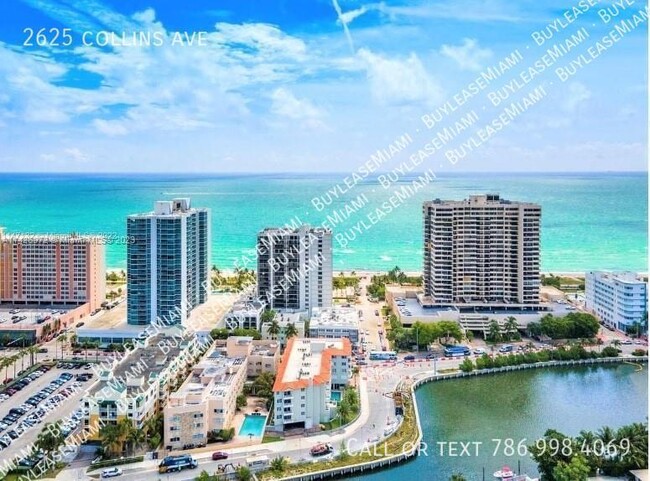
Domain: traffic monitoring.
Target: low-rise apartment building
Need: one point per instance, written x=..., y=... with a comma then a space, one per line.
x=284, y=320
x=262, y=355
x=245, y=314
x=619, y=299
x=206, y=401
x=309, y=371
x=335, y=323
x=137, y=386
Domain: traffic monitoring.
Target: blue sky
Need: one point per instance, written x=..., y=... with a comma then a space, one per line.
x=302, y=86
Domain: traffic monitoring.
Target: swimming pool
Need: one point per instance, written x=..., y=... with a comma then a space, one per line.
x=252, y=426
x=336, y=396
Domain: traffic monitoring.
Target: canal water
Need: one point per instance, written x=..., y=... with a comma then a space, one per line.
x=486, y=412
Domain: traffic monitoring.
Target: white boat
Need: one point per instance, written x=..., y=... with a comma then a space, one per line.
x=504, y=473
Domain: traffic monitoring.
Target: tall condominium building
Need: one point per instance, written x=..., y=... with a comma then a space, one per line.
x=294, y=267
x=619, y=299
x=482, y=251
x=65, y=269
x=168, y=259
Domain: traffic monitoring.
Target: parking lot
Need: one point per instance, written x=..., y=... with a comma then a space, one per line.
x=24, y=317
x=50, y=396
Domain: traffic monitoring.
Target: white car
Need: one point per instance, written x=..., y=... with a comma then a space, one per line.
x=479, y=350
x=111, y=472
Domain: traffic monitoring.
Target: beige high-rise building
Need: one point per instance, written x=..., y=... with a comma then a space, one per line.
x=482, y=251
x=66, y=269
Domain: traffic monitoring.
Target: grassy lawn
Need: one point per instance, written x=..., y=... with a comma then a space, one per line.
x=271, y=439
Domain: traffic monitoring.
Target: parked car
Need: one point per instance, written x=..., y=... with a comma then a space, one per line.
x=218, y=455
x=410, y=357
x=111, y=472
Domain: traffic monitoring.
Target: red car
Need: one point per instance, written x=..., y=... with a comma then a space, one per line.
x=218, y=455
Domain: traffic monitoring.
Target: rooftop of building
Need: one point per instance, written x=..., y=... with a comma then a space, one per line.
x=308, y=362
x=337, y=316
x=259, y=347
x=247, y=306
x=48, y=238
x=167, y=208
x=32, y=313
x=285, y=317
x=623, y=276
x=479, y=200
x=293, y=230
x=212, y=377
x=142, y=366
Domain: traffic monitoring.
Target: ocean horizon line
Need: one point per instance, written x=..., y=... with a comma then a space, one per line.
x=329, y=173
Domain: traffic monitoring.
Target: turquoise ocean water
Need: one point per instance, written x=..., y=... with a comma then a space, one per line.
x=590, y=221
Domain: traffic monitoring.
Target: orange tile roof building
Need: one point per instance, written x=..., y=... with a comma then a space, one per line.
x=310, y=370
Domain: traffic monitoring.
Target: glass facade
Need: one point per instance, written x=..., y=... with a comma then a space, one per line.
x=167, y=265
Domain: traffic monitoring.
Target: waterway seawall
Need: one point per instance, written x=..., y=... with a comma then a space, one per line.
x=423, y=378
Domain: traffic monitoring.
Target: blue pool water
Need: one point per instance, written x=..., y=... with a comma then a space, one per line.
x=336, y=396
x=252, y=425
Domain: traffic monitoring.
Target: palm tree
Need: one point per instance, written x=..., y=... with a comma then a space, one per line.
x=50, y=439
x=494, y=331
x=33, y=355
x=14, y=360
x=279, y=464
x=274, y=329
x=290, y=331
x=510, y=326
x=135, y=438
x=21, y=355
x=63, y=338
x=4, y=364
x=110, y=435
x=267, y=316
x=243, y=474
x=457, y=477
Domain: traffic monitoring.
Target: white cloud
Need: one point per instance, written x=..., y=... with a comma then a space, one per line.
x=286, y=104
x=75, y=154
x=468, y=55
x=65, y=156
x=399, y=81
x=577, y=94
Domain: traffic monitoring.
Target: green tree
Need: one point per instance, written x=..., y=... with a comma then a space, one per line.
x=204, y=476
x=290, y=331
x=274, y=329
x=243, y=474
x=547, y=459
x=279, y=464
x=111, y=436
x=457, y=477
x=50, y=438
x=241, y=401
x=494, y=331
x=510, y=327
x=575, y=470
x=466, y=366
x=267, y=316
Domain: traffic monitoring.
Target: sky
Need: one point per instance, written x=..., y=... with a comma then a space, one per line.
x=303, y=85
